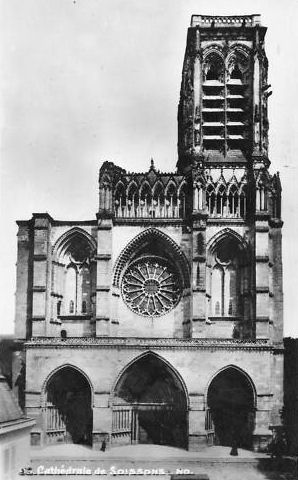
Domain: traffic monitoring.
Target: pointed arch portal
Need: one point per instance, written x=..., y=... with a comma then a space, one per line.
x=68, y=407
x=231, y=408
x=150, y=405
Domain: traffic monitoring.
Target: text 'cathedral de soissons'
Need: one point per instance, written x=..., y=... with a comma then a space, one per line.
x=160, y=321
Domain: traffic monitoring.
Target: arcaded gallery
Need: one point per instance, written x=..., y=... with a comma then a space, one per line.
x=160, y=319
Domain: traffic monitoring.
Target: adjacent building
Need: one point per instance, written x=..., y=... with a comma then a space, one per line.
x=15, y=430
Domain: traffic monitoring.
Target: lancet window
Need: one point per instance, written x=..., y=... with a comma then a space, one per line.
x=233, y=201
x=120, y=200
x=261, y=198
x=162, y=200
x=171, y=201
x=133, y=202
x=158, y=201
x=210, y=199
x=182, y=201
x=224, y=97
x=146, y=207
x=226, y=201
x=276, y=205
x=73, y=278
x=77, y=297
x=236, y=73
x=228, y=279
x=221, y=201
x=243, y=201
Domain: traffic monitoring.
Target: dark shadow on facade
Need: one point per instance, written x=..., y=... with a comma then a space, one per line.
x=231, y=403
x=69, y=413
x=153, y=402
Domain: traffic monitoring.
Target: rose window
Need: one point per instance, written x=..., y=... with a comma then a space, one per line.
x=151, y=287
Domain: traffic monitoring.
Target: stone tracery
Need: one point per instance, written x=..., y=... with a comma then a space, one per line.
x=73, y=272
x=151, y=195
x=150, y=287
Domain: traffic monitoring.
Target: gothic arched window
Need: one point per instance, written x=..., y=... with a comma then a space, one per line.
x=84, y=282
x=221, y=200
x=182, y=201
x=158, y=200
x=146, y=200
x=228, y=277
x=233, y=201
x=236, y=73
x=120, y=200
x=74, y=276
x=70, y=288
x=212, y=73
x=217, y=290
x=133, y=200
x=243, y=195
x=261, y=199
x=171, y=200
x=77, y=289
x=214, y=67
x=210, y=199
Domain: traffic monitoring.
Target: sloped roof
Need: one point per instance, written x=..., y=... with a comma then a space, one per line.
x=9, y=408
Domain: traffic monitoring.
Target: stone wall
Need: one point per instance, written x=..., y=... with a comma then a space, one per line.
x=194, y=364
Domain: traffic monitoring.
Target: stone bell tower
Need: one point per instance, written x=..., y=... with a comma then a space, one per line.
x=223, y=152
x=235, y=209
x=223, y=104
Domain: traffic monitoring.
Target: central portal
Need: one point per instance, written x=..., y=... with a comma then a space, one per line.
x=150, y=405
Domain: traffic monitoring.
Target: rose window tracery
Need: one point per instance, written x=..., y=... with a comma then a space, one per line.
x=151, y=287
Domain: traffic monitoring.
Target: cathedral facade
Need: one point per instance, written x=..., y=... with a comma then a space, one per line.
x=160, y=320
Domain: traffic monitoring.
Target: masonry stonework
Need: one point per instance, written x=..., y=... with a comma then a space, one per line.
x=160, y=320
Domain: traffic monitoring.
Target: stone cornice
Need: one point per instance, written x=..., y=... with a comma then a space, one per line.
x=148, y=221
x=222, y=221
x=87, y=223
x=58, y=223
x=150, y=343
x=232, y=21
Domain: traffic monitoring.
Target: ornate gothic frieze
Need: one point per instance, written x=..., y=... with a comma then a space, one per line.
x=151, y=194
x=147, y=343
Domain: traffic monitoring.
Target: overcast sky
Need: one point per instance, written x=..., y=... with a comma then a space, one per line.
x=83, y=81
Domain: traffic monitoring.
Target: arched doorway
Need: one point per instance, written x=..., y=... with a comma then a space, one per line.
x=150, y=405
x=231, y=409
x=68, y=408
